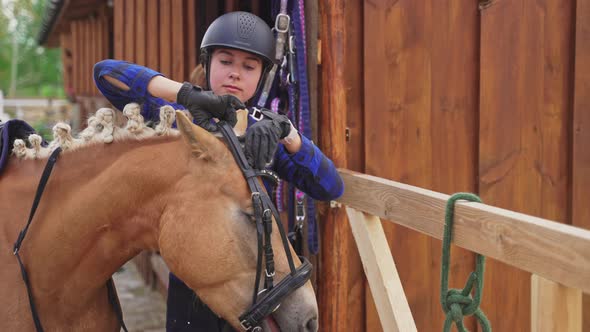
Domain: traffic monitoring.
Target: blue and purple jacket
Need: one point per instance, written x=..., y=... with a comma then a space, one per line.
x=308, y=169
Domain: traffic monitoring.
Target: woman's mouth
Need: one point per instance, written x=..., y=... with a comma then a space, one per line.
x=232, y=88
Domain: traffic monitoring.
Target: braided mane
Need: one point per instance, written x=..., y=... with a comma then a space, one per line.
x=101, y=129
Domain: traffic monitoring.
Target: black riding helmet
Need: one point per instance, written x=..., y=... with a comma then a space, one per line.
x=242, y=31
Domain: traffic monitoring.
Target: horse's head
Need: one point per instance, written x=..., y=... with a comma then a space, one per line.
x=208, y=238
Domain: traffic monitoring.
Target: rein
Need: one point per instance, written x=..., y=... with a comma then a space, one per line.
x=272, y=296
x=112, y=294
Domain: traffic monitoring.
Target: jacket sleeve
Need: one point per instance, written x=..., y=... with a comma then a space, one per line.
x=136, y=77
x=310, y=171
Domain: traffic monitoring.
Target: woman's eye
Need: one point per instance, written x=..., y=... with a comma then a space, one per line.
x=225, y=62
x=249, y=67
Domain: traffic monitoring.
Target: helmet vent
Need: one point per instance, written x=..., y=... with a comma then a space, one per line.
x=246, y=25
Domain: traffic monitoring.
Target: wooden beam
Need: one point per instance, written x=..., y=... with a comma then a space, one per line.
x=554, y=307
x=556, y=251
x=386, y=286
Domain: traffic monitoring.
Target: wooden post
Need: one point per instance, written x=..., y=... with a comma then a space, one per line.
x=581, y=132
x=336, y=237
x=386, y=286
x=554, y=307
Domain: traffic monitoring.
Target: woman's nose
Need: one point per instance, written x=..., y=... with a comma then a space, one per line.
x=234, y=75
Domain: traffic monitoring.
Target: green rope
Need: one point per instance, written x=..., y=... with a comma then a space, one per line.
x=457, y=303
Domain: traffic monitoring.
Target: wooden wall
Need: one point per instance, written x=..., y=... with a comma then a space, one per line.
x=158, y=34
x=450, y=97
x=165, y=35
x=83, y=44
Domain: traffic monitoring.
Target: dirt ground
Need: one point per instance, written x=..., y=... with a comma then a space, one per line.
x=144, y=309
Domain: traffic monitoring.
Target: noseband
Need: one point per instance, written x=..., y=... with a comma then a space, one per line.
x=271, y=296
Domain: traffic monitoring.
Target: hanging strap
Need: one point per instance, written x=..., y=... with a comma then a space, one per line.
x=21, y=236
x=282, y=24
x=112, y=294
x=303, y=113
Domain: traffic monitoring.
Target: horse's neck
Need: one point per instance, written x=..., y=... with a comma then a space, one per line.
x=101, y=207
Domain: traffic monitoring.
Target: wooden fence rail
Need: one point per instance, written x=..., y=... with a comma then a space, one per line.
x=552, y=250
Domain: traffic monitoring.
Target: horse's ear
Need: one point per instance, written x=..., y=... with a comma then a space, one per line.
x=201, y=142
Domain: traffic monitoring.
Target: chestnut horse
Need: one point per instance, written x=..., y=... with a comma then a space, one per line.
x=104, y=203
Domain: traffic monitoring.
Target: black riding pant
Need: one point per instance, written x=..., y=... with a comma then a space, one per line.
x=187, y=313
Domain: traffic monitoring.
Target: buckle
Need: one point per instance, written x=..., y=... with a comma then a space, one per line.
x=245, y=325
x=282, y=23
x=256, y=114
x=270, y=275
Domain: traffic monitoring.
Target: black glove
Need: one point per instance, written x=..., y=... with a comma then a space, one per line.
x=262, y=138
x=204, y=105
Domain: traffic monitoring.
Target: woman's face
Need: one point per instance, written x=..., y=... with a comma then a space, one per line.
x=234, y=72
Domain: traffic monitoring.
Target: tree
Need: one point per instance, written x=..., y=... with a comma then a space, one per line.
x=27, y=69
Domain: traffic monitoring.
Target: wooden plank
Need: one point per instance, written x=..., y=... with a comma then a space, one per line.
x=94, y=51
x=96, y=47
x=554, y=307
x=75, y=69
x=581, y=131
x=337, y=243
x=555, y=124
x=420, y=103
x=80, y=58
x=191, y=50
x=556, y=251
x=255, y=8
x=89, y=56
x=65, y=43
x=231, y=5
x=178, y=41
x=152, y=43
x=165, y=45
x=129, y=26
x=312, y=23
x=119, y=29
x=386, y=287
x=85, y=56
x=211, y=13
x=108, y=50
x=140, y=32
x=525, y=98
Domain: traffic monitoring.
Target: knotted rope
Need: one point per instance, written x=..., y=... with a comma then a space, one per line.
x=457, y=303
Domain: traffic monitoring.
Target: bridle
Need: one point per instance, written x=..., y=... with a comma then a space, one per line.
x=271, y=296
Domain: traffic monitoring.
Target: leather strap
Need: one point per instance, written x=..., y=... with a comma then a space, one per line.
x=112, y=293
x=264, y=210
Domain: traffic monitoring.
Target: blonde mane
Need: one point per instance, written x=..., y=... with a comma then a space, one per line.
x=101, y=129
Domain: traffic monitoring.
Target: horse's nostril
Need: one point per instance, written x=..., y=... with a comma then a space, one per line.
x=312, y=324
